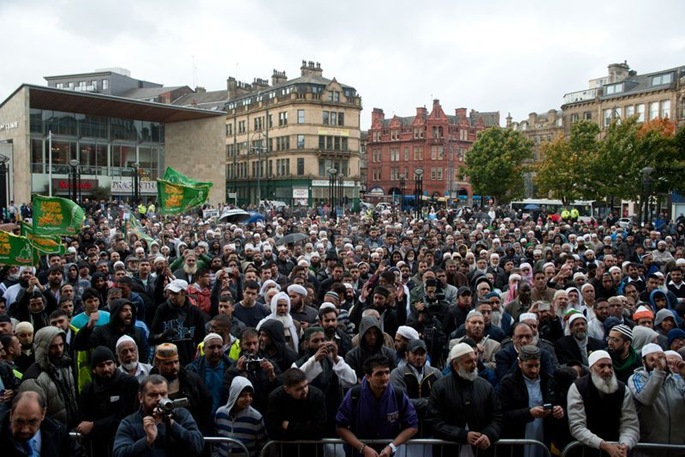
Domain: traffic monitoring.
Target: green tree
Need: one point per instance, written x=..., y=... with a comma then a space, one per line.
x=495, y=163
x=565, y=164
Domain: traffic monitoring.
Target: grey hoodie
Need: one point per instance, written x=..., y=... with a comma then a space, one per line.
x=356, y=357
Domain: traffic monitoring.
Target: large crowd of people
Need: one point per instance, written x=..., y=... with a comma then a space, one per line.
x=366, y=326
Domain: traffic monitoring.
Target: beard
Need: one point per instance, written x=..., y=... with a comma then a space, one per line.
x=467, y=375
x=130, y=366
x=496, y=318
x=535, y=340
x=605, y=386
x=580, y=336
x=190, y=270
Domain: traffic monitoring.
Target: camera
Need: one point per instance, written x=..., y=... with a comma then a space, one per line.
x=252, y=362
x=167, y=406
x=547, y=407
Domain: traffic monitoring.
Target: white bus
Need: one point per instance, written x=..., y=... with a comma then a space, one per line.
x=532, y=206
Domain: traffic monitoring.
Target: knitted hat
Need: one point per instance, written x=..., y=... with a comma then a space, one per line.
x=642, y=312
x=675, y=334
x=101, y=354
x=624, y=330
x=529, y=352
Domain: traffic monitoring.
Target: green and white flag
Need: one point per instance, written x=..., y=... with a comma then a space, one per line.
x=56, y=216
x=175, y=177
x=43, y=244
x=177, y=198
x=16, y=250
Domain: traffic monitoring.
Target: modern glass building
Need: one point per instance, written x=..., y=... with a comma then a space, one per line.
x=108, y=140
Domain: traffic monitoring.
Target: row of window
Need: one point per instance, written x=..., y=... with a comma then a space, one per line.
x=334, y=118
x=437, y=153
x=434, y=174
x=282, y=143
x=264, y=168
x=660, y=109
x=85, y=86
x=436, y=134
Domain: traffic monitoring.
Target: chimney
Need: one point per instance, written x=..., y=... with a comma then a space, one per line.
x=232, y=87
x=200, y=90
x=421, y=112
x=552, y=116
x=259, y=83
x=532, y=119
x=311, y=69
x=377, y=115
x=618, y=72
x=509, y=119
x=460, y=112
x=278, y=77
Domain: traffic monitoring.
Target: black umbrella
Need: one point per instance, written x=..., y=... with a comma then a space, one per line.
x=291, y=238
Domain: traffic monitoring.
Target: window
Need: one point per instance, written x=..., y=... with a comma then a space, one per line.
x=300, y=141
x=241, y=126
x=258, y=123
x=587, y=115
x=630, y=111
x=436, y=173
x=659, y=80
x=394, y=174
x=341, y=119
x=607, y=117
x=406, y=153
x=377, y=174
x=59, y=85
x=326, y=118
x=283, y=143
x=300, y=116
x=229, y=129
x=665, y=109
x=653, y=110
x=394, y=155
x=437, y=152
x=105, y=84
x=640, y=112
x=334, y=96
x=614, y=89
x=575, y=117
x=334, y=118
x=283, y=167
x=300, y=166
x=394, y=135
x=283, y=118
x=270, y=122
x=418, y=152
x=376, y=157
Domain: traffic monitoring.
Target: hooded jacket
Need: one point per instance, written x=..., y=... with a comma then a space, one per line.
x=356, y=357
x=284, y=356
x=246, y=426
x=659, y=398
x=56, y=383
x=108, y=335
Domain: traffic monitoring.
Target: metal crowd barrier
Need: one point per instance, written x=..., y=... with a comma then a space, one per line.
x=578, y=449
x=413, y=448
x=211, y=440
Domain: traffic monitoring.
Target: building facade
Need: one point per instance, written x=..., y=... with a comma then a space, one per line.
x=49, y=134
x=623, y=93
x=285, y=139
x=432, y=143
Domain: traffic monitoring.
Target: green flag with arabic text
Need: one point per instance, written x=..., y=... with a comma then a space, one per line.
x=43, y=244
x=56, y=216
x=175, y=177
x=16, y=250
x=178, y=198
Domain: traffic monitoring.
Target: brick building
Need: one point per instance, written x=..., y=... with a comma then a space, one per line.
x=432, y=141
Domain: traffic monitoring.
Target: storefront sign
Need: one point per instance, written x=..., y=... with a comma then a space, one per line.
x=9, y=126
x=85, y=185
x=125, y=186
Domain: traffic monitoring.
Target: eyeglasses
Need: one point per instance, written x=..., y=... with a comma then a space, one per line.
x=612, y=339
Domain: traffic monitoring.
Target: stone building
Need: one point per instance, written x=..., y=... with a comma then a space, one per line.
x=433, y=143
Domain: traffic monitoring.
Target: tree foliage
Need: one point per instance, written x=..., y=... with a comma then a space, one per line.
x=496, y=162
x=565, y=166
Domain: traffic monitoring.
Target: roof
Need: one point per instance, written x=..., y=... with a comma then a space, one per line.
x=637, y=84
x=207, y=100
x=147, y=93
x=49, y=98
x=490, y=119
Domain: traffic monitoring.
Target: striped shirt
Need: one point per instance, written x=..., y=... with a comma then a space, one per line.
x=247, y=426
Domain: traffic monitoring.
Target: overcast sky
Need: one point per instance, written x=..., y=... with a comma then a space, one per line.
x=508, y=56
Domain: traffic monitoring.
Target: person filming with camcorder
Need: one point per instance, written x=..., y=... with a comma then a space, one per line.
x=161, y=427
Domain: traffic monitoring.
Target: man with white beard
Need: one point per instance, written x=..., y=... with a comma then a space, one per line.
x=127, y=355
x=601, y=412
x=463, y=407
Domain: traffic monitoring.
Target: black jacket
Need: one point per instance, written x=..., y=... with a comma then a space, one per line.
x=356, y=357
x=184, y=326
x=284, y=357
x=306, y=418
x=193, y=388
x=455, y=402
x=513, y=395
x=108, y=335
x=54, y=438
x=567, y=349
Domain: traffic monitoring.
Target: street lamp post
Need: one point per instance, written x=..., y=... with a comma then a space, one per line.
x=418, y=189
x=647, y=190
x=402, y=187
x=3, y=180
x=259, y=147
x=136, y=183
x=75, y=181
x=332, y=172
x=341, y=193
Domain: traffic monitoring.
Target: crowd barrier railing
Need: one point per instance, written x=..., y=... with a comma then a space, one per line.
x=211, y=440
x=422, y=447
x=578, y=449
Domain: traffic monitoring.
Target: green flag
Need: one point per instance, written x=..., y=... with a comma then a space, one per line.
x=175, y=177
x=43, y=244
x=177, y=198
x=133, y=225
x=16, y=250
x=56, y=216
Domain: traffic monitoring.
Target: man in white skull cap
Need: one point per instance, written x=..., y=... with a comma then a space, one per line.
x=601, y=412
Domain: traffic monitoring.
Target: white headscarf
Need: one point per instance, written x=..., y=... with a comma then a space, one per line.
x=286, y=320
